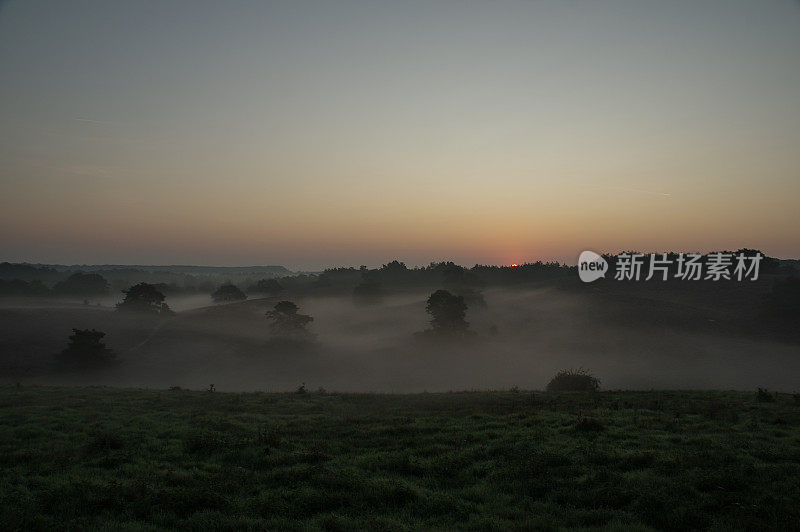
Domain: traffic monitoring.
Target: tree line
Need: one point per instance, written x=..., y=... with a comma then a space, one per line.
x=367, y=285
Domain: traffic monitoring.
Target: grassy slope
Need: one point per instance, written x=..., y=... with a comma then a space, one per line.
x=97, y=458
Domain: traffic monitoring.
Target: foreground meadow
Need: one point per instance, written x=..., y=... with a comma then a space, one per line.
x=104, y=458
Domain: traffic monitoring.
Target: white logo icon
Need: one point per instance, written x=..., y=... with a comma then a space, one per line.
x=591, y=266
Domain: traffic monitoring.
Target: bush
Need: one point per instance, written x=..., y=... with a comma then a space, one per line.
x=569, y=380
x=763, y=396
x=86, y=349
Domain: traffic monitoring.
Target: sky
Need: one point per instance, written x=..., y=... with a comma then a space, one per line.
x=339, y=132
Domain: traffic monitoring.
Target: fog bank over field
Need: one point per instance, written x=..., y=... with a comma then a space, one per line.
x=539, y=331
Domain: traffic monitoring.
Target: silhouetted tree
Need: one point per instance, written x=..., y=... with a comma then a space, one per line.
x=86, y=349
x=228, y=292
x=395, y=272
x=82, y=284
x=395, y=267
x=145, y=298
x=448, y=312
x=287, y=322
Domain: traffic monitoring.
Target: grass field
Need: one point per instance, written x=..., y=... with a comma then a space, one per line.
x=100, y=458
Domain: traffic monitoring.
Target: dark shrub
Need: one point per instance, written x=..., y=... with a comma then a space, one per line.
x=86, y=349
x=570, y=380
x=763, y=396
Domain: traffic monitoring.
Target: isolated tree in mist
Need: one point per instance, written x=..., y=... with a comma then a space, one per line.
x=448, y=312
x=144, y=298
x=286, y=321
x=86, y=349
x=228, y=292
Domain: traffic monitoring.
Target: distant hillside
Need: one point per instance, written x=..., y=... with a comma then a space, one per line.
x=269, y=271
x=120, y=276
x=790, y=264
